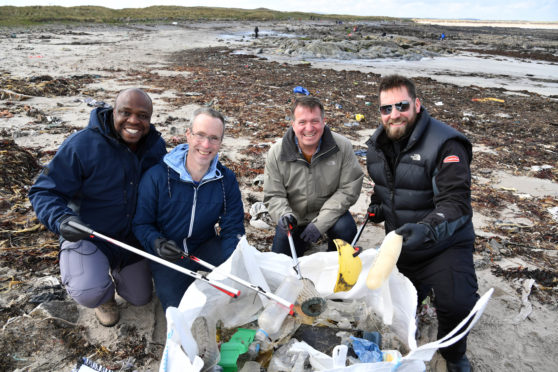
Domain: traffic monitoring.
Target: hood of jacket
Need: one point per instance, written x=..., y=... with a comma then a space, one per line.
x=176, y=160
x=101, y=121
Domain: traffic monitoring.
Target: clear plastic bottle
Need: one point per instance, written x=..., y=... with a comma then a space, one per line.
x=261, y=342
x=271, y=319
x=254, y=348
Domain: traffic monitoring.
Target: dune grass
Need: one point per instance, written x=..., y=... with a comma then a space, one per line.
x=38, y=15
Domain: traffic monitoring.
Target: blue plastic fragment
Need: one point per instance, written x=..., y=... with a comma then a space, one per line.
x=300, y=90
x=367, y=351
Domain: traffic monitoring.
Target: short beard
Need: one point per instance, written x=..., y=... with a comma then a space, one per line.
x=397, y=134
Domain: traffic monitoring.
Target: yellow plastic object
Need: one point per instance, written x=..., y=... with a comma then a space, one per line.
x=349, y=266
x=385, y=260
x=359, y=117
x=487, y=99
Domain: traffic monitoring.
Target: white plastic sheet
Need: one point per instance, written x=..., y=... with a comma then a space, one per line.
x=395, y=302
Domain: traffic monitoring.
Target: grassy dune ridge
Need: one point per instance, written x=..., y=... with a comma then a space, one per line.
x=37, y=15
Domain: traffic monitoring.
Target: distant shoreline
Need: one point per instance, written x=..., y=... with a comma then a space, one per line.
x=474, y=23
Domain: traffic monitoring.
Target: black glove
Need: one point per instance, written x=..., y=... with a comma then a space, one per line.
x=415, y=235
x=167, y=249
x=311, y=234
x=71, y=233
x=286, y=221
x=375, y=213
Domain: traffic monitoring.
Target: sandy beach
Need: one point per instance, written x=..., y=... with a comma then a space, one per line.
x=498, y=87
x=481, y=23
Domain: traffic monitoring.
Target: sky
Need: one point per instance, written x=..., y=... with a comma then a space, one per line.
x=520, y=10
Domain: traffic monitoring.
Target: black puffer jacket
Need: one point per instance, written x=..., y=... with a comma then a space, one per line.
x=426, y=180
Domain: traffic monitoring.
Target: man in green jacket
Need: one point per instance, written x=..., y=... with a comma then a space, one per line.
x=312, y=177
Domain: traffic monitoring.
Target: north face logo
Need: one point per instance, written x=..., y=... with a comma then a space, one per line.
x=415, y=157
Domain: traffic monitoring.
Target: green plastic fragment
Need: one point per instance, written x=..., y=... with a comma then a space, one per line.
x=231, y=350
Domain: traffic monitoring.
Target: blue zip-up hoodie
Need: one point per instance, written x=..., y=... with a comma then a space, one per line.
x=95, y=175
x=172, y=206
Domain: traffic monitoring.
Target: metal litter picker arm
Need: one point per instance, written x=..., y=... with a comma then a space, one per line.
x=296, y=264
x=359, y=232
x=311, y=303
x=233, y=292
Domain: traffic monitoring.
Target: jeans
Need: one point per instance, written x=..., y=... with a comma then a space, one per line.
x=345, y=229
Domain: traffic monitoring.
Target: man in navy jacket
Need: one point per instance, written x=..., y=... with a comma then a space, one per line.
x=422, y=190
x=93, y=180
x=182, y=199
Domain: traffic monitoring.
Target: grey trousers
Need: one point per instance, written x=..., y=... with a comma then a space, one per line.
x=90, y=281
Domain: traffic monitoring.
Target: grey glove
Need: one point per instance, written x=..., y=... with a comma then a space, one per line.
x=375, y=213
x=311, y=234
x=167, y=249
x=70, y=233
x=415, y=235
x=287, y=222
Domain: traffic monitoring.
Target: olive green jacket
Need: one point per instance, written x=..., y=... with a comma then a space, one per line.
x=318, y=192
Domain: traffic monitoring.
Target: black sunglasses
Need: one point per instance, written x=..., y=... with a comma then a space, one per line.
x=399, y=106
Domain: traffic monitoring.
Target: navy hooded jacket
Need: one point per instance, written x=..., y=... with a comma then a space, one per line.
x=172, y=206
x=95, y=176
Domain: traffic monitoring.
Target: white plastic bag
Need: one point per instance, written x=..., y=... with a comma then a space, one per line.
x=395, y=302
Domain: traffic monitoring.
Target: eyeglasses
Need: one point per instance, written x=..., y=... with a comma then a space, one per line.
x=399, y=106
x=200, y=137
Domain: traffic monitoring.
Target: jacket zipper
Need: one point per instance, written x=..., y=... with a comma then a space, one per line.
x=193, y=213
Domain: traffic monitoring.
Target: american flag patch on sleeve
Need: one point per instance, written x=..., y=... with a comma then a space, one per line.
x=451, y=159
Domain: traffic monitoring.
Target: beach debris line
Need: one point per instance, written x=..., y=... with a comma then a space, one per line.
x=43, y=86
x=18, y=169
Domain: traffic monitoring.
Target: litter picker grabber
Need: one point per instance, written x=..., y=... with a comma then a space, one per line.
x=241, y=281
x=233, y=292
x=359, y=233
x=349, y=264
x=311, y=303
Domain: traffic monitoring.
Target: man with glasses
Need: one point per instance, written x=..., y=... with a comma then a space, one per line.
x=311, y=179
x=180, y=202
x=422, y=190
x=93, y=180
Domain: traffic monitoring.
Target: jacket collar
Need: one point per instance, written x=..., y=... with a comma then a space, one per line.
x=176, y=160
x=290, y=150
x=423, y=118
